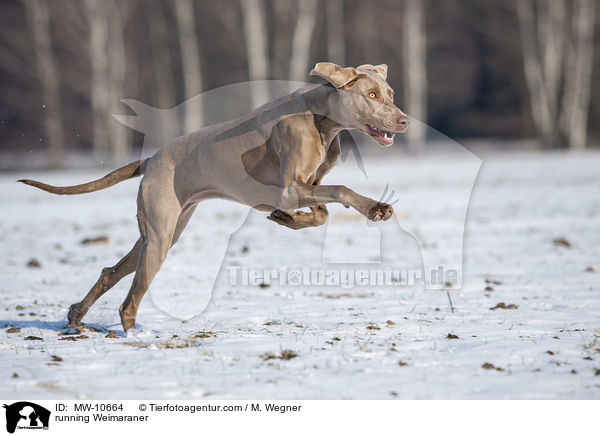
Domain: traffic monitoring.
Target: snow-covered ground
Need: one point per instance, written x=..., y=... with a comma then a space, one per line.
x=533, y=232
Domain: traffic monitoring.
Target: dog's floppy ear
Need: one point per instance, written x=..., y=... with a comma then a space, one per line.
x=334, y=74
x=379, y=69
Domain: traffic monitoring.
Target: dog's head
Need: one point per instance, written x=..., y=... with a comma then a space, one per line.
x=364, y=100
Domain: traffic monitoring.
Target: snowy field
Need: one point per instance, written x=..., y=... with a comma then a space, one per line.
x=531, y=253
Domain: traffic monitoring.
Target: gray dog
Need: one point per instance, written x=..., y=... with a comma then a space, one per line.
x=272, y=159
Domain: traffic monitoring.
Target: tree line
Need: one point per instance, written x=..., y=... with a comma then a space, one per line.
x=517, y=69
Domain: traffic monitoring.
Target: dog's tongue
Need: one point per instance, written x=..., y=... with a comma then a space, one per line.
x=387, y=137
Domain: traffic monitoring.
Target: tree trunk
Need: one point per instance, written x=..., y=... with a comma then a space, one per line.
x=415, y=73
x=164, y=82
x=534, y=73
x=161, y=59
x=119, y=133
x=99, y=82
x=579, y=81
x=336, y=40
x=39, y=21
x=283, y=26
x=552, y=39
x=255, y=30
x=301, y=42
x=190, y=58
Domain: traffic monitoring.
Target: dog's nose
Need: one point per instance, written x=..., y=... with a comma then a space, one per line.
x=402, y=121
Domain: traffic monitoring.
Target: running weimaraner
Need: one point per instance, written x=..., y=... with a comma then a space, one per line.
x=272, y=159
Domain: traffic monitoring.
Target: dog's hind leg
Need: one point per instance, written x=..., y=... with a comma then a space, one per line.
x=182, y=221
x=109, y=277
x=158, y=219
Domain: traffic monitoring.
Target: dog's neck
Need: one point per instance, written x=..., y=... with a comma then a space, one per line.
x=322, y=101
x=328, y=129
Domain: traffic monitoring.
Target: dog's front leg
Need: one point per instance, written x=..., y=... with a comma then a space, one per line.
x=297, y=164
x=314, y=195
x=300, y=220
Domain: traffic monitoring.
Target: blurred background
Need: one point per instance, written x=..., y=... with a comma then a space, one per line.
x=513, y=74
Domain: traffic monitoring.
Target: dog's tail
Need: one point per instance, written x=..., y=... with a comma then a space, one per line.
x=133, y=169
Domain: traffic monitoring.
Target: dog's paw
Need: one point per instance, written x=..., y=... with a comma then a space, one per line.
x=299, y=219
x=381, y=212
x=74, y=316
x=281, y=217
x=285, y=219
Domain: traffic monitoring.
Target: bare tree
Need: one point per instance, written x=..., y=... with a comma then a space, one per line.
x=415, y=72
x=99, y=81
x=106, y=20
x=39, y=23
x=579, y=75
x=254, y=19
x=336, y=41
x=162, y=60
x=557, y=57
x=120, y=135
x=301, y=41
x=190, y=59
x=283, y=26
x=162, y=63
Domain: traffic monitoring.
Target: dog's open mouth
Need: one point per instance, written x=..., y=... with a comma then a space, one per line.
x=384, y=137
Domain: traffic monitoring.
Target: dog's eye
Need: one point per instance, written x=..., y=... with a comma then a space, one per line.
x=373, y=94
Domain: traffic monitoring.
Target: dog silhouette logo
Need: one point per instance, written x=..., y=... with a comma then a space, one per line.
x=431, y=205
x=26, y=415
